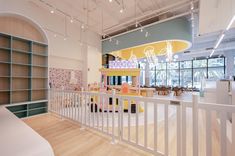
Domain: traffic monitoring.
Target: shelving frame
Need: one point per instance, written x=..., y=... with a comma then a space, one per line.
x=23, y=75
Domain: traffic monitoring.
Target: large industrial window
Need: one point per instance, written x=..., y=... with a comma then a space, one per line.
x=187, y=73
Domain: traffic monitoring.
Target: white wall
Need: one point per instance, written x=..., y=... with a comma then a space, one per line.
x=94, y=61
x=62, y=54
x=214, y=15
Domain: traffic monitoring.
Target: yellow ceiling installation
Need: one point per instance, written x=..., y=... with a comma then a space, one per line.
x=159, y=48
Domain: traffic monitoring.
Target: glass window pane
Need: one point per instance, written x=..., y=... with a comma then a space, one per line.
x=186, y=64
x=215, y=73
x=173, y=77
x=198, y=75
x=186, y=78
x=215, y=62
x=160, y=77
x=199, y=63
x=160, y=66
x=152, y=78
x=173, y=65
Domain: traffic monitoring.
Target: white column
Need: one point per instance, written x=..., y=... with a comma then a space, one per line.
x=147, y=74
x=229, y=63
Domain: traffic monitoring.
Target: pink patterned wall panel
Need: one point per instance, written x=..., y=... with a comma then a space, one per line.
x=66, y=79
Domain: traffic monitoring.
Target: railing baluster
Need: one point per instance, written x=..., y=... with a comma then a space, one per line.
x=208, y=133
x=233, y=133
x=145, y=125
x=93, y=114
x=113, y=114
x=122, y=111
x=137, y=123
x=129, y=119
x=166, y=129
x=195, y=125
x=155, y=128
x=223, y=137
x=98, y=111
x=184, y=130
x=178, y=109
x=102, y=113
x=107, y=114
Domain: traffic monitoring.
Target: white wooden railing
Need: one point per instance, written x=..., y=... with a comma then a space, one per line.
x=199, y=120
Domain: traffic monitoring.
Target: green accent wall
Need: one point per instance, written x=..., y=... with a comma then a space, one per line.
x=179, y=28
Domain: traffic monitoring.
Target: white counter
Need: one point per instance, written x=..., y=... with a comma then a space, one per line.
x=18, y=139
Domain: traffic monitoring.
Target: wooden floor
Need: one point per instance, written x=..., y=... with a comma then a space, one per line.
x=67, y=139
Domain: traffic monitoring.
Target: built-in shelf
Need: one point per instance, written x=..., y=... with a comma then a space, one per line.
x=23, y=75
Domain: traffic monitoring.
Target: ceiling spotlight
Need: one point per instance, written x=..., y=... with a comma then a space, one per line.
x=192, y=6
x=121, y=10
x=176, y=56
x=52, y=11
x=110, y=1
x=82, y=26
x=71, y=20
x=142, y=29
x=136, y=24
x=146, y=34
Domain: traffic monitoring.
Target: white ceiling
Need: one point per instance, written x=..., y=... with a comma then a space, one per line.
x=113, y=20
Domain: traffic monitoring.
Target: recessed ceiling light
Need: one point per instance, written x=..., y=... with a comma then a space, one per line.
x=82, y=26
x=146, y=34
x=121, y=10
x=136, y=24
x=52, y=11
x=65, y=38
x=71, y=20
x=110, y=1
x=55, y=35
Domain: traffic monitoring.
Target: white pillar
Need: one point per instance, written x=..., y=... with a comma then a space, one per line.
x=229, y=63
x=147, y=74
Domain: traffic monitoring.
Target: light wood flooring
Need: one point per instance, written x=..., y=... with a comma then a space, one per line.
x=67, y=139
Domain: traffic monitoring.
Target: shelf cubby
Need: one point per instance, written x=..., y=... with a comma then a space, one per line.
x=39, y=72
x=20, y=71
x=20, y=96
x=39, y=49
x=21, y=45
x=4, y=69
x=39, y=95
x=37, y=111
x=20, y=58
x=39, y=61
x=5, y=41
x=4, y=84
x=20, y=84
x=23, y=75
x=5, y=97
x=39, y=84
x=5, y=55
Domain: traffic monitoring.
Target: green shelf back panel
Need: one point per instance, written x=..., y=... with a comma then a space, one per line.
x=37, y=105
x=37, y=111
x=17, y=108
x=21, y=114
